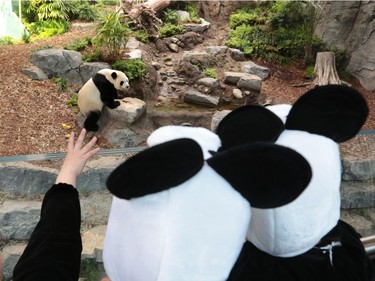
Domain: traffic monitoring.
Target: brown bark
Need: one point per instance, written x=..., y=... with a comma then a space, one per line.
x=144, y=14
x=325, y=69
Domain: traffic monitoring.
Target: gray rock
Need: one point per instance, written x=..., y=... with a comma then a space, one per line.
x=133, y=43
x=183, y=16
x=11, y=255
x=217, y=117
x=34, y=73
x=197, y=27
x=237, y=54
x=202, y=99
x=26, y=179
x=252, y=68
x=56, y=61
x=173, y=47
x=129, y=111
x=349, y=26
x=217, y=50
x=93, y=242
x=125, y=137
x=72, y=76
x=237, y=93
x=89, y=69
x=18, y=219
x=355, y=195
x=209, y=82
x=243, y=80
x=250, y=82
x=95, y=208
x=361, y=224
x=355, y=170
x=135, y=54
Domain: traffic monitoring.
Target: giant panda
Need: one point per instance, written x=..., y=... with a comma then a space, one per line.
x=185, y=218
x=98, y=91
x=305, y=240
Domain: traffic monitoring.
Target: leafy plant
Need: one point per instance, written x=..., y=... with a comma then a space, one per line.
x=141, y=35
x=191, y=8
x=210, y=72
x=83, y=11
x=45, y=29
x=26, y=37
x=73, y=102
x=169, y=29
x=170, y=16
x=112, y=32
x=132, y=68
x=61, y=82
x=79, y=45
x=97, y=55
x=309, y=72
x=6, y=40
x=39, y=10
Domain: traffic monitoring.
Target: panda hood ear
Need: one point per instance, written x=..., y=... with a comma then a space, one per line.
x=249, y=124
x=334, y=111
x=156, y=169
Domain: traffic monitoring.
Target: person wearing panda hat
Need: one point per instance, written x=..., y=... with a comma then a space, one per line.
x=180, y=213
x=305, y=239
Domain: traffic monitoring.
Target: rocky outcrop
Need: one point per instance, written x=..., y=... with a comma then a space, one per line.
x=350, y=26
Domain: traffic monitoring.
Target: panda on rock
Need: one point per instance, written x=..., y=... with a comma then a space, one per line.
x=98, y=91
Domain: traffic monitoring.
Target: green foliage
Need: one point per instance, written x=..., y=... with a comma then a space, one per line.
x=89, y=270
x=141, y=35
x=170, y=16
x=97, y=55
x=169, y=29
x=79, y=45
x=191, y=8
x=73, y=101
x=6, y=40
x=132, y=68
x=276, y=30
x=45, y=29
x=210, y=72
x=309, y=72
x=26, y=37
x=112, y=32
x=61, y=82
x=39, y=10
x=83, y=11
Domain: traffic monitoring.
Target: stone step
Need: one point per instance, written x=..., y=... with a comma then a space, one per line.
x=357, y=195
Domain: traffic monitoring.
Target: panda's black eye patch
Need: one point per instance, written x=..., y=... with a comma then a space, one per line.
x=121, y=83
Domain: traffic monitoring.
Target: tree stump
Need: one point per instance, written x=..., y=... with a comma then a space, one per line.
x=325, y=69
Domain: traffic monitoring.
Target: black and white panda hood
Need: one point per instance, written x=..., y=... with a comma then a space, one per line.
x=176, y=216
x=315, y=124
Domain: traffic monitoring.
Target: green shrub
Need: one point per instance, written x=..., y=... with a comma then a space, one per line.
x=61, y=82
x=141, y=35
x=26, y=37
x=132, y=68
x=39, y=10
x=112, y=32
x=79, y=45
x=170, y=16
x=191, y=8
x=6, y=40
x=169, y=29
x=97, y=55
x=83, y=11
x=309, y=72
x=73, y=102
x=45, y=29
x=210, y=72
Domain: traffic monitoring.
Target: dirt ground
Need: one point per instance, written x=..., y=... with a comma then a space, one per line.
x=32, y=112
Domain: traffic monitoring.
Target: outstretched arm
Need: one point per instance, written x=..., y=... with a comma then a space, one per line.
x=54, y=249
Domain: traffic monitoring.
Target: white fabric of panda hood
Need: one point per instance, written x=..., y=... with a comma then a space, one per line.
x=316, y=122
x=175, y=216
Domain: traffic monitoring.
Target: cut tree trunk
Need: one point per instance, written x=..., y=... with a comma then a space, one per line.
x=325, y=69
x=144, y=15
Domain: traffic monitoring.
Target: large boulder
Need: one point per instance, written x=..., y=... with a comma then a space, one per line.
x=350, y=26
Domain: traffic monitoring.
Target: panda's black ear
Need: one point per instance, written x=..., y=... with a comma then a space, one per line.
x=334, y=111
x=114, y=75
x=266, y=174
x=156, y=169
x=248, y=124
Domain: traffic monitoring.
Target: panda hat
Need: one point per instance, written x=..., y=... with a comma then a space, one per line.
x=318, y=120
x=176, y=216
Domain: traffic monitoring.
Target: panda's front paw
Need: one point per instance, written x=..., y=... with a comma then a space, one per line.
x=116, y=104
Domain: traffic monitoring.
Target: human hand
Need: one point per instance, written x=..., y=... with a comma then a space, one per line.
x=76, y=158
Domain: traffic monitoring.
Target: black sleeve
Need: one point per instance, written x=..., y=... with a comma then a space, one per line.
x=54, y=249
